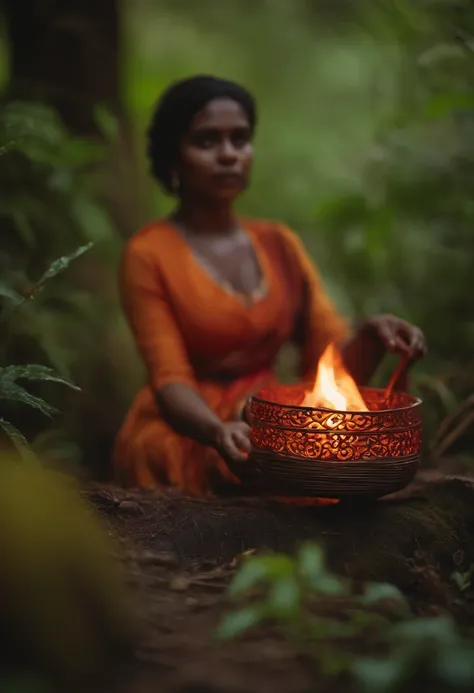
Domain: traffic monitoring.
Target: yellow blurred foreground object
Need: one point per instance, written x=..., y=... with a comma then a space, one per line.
x=64, y=610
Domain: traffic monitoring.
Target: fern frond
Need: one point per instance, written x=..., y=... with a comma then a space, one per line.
x=33, y=371
x=18, y=439
x=12, y=392
x=62, y=263
x=7, y=292
x=25, y=121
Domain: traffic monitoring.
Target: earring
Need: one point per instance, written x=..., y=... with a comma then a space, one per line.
x=175, y=182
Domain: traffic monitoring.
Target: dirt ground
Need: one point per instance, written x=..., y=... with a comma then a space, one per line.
x=181, y=555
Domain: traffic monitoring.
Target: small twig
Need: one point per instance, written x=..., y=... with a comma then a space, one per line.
x=401, y=367
x=450, y=419
x=452, y=437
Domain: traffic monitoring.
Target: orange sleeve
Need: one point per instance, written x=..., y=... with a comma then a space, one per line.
x=318, y=322
x=151, y=319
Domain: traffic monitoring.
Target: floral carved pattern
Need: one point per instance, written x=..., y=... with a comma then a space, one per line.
x=321, y=434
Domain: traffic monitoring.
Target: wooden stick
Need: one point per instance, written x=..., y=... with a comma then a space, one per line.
x=402, y=365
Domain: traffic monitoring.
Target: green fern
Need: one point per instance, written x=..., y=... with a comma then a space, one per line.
x=62, y=264
x=10, y=390
x=16, y=393
x=18, y=440
x=10, y=374
x=15, y=300
x=7, y=292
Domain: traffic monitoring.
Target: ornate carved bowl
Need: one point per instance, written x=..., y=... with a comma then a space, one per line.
x=317, y=452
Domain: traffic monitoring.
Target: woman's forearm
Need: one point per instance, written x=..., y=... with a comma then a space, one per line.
x=186, y=411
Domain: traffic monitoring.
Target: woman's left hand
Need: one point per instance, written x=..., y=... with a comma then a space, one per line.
x=397, y=335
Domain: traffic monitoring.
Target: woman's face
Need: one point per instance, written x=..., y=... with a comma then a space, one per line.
x=216, y=154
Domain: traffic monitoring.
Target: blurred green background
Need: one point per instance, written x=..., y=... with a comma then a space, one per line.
x=365, y=146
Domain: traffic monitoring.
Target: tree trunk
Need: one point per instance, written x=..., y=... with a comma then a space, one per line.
x=66, y=54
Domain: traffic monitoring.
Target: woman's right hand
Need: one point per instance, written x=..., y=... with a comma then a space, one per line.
x=232, y=441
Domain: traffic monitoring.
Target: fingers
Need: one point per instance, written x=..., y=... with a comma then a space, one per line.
x=400, y=337
x=418, y=344
x=388, y=335
x=236, y=443
x=242, y=441
x=232, y=452
x=415, y=339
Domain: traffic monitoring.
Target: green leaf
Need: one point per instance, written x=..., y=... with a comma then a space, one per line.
x=251, y=573
x=33, y=372
x=330, y=586
x=15, y=393
x=312, y=567
x=463, y=581
x=92, y=218
x=23, y=226
x=238, y=622
x=10, y=294
x=378, y=675
x=311, y=561
x=277, y=565
x=380, y=591
x=441, y=631
x=443, y=105
x=107, y=123
x=82, y=153
x=21, y=120
x=18, y=440
x=62, y=263
x=284, y=598
x=455, y=666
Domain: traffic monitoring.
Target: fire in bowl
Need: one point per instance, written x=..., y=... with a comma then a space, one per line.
x=370, y=446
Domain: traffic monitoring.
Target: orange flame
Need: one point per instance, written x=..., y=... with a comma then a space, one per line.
x=334, y=388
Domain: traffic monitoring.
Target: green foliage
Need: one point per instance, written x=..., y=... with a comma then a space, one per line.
x=294, y=592
x=464, y=581
x=47, y=206
x=11, y=392
x=49, y=203
x=424, y=652
x=283, y=588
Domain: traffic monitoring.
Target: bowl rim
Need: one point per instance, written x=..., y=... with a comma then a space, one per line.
x=417, y=402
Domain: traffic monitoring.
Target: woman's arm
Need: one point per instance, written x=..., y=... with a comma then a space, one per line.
x=187, y=412
x=170, y=373
x=320, y=324
x=376, y=336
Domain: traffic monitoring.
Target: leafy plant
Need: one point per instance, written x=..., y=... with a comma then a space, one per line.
x=291, y=591
x=51, y=199
x=295, y=592
x=286, y=586
x=11, y=391
x=423, y=653
x=464, y=581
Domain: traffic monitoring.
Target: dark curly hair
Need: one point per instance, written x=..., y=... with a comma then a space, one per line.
x=175, y=111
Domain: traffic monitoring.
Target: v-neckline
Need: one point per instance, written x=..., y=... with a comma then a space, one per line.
x=247, y=300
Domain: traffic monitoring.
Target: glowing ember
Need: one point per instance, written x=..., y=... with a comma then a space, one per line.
x=334, y=388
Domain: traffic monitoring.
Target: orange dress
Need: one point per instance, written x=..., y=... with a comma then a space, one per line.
x=188, y=327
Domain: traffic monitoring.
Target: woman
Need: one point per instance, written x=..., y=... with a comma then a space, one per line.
x=211, y=298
